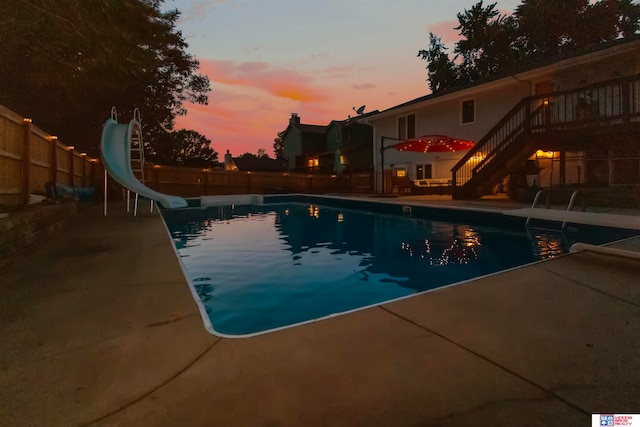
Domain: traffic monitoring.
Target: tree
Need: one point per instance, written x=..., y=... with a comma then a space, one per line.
x=262, y=152
x=441, y=70
x=487, y=44
x=184, y=148
x=549, y=26
x=70, y=63
x=493, y=43
x=278, y=145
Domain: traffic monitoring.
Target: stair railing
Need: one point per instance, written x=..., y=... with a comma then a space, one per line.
x=612, y=102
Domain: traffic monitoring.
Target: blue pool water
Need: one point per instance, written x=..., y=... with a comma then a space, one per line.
x=257, y=268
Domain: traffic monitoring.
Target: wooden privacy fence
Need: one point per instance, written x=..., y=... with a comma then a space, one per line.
x=29, y=158
x=192, y=182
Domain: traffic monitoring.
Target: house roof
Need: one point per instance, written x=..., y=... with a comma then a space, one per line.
x=305, y=129
x=311, y=128
x=352, y=120
x=527, y=71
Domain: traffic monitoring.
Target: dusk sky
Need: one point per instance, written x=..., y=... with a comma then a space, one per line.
x=267, y=59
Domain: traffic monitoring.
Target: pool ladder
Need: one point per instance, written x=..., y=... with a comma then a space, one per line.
x=572, y=202
x=137, y=160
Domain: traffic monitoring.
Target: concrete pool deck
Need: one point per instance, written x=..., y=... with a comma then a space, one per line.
x=98, y=327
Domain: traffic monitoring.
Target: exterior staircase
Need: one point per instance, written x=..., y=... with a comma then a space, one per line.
x=550, y=116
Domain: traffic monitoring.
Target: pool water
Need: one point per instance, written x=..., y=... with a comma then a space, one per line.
x=257, y=268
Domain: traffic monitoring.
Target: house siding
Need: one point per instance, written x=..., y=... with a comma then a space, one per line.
x=444, y=118
x=493, y=99
x=597, y=71
x=360, y=144
x=292, y=146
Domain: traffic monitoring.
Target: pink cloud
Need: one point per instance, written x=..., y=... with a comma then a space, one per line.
x=199, y=9
x=249, y=102
x=445, y=30
x=261, y=75
x=363, y=86
x=320, y=55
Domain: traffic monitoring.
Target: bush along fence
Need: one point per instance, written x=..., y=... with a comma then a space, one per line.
x=30, y=157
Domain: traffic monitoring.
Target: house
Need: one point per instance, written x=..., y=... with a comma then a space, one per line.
x=317, y=149
x=576, y=117
x=301, y=142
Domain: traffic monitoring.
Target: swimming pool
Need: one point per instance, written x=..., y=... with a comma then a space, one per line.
x=259, y=268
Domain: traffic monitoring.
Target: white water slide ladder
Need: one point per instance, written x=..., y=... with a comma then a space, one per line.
x=137, y=162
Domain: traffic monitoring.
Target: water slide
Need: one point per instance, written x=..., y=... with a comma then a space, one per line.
x=115, y=149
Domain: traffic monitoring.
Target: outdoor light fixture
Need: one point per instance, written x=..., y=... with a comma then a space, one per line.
x=52, y=137
x=26, y=120
x=83, y=154
x=70, y=147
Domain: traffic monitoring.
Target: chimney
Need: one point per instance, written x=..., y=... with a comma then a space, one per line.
x=294, y=120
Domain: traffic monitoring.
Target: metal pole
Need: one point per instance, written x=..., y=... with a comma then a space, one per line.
x=105, y=192
x=382, y=150
x=382, y=162
x=550, y=182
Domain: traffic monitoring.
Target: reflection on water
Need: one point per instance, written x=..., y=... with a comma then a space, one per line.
x=256, y=268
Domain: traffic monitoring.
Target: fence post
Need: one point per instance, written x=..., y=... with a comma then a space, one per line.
x=84, y=169
x=206, y=182
x=157, y=181
x=249, y=182
x=26, y=159
x=71, y=171
x=310, y=183
x=53, y=172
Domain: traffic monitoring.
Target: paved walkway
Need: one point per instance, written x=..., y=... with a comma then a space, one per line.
x=99, y=328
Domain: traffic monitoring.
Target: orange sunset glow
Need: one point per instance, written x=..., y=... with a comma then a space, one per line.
x=266, y=61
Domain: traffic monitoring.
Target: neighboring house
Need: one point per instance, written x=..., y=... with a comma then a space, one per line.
x=577, y=115
x=354, y=140
x=301, y=142
x=313, y=148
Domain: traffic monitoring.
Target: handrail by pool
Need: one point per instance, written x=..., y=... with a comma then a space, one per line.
x=623, y=253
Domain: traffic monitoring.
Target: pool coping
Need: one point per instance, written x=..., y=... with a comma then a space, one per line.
x=462, y=356
x=255, y=199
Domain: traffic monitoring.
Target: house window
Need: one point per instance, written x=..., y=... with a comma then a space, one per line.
x=423, y=171
x=402, y=127
x=400, y=172
x=407, y=127
x=411, y=126
x=468, y=111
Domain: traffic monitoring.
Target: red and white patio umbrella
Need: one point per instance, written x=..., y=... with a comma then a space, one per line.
x=434, y=144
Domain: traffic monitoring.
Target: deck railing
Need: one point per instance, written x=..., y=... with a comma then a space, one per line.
x=606, y=103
